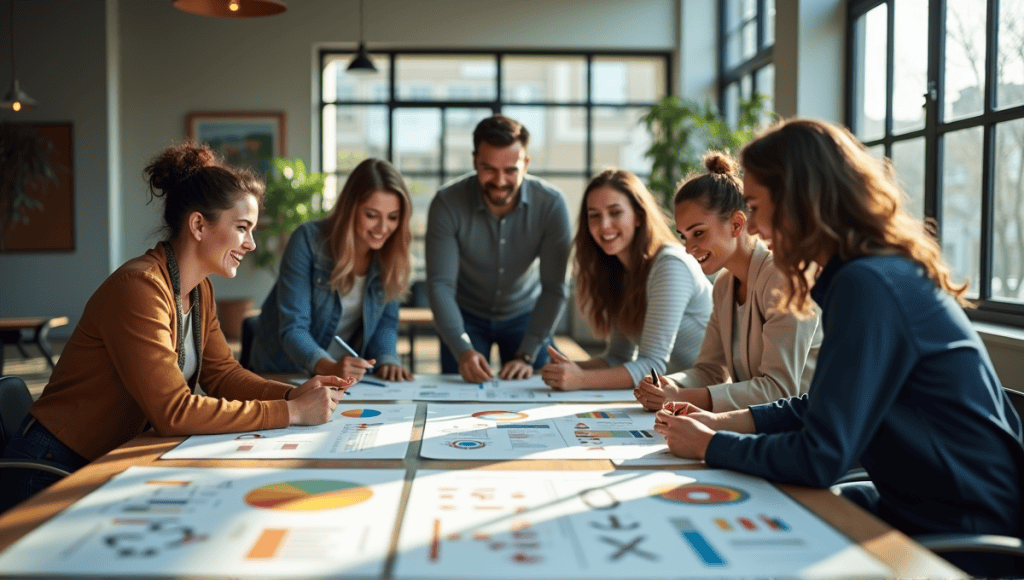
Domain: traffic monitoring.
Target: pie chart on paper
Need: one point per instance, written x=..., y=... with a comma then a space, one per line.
x=361, y=413
x=308, y=495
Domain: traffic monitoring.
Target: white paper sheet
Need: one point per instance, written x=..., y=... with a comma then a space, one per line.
x=451, y=387
x=377, y=431
x=623, y=524
x=537, y=431
x=220, y=522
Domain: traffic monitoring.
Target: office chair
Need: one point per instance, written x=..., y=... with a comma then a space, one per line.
x=248, y=335
x=14, y=403
x=959, y=543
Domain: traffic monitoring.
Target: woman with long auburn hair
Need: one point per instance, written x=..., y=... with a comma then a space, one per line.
x=341, y=278
x=637, y=286
x=903, y=383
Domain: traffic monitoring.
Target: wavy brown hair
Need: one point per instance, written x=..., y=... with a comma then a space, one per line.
x=370, y=176
x=610, y=296
x=830, y=195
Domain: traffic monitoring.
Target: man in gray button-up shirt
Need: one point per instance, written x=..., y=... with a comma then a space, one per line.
x=485, y=233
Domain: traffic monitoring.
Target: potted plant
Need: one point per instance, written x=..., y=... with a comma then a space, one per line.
x=682, y=130
x=294, y=196
x=24, y=163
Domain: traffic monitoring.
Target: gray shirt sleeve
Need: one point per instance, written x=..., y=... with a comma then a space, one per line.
x=442, y=257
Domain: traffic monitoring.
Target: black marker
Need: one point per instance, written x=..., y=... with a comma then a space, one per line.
x=655, y=377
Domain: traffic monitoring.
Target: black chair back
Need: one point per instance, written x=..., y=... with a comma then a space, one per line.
x=248, y=335
x=15, y=400
x=1016, y=401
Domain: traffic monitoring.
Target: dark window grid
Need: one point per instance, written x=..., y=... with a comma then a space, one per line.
x=988, y=309
x=760, y=59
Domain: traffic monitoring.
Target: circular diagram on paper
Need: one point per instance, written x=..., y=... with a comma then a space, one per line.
x=361, y=413
x=468, y=444
x=500, y=415
x=308, y=495
x=700, y=493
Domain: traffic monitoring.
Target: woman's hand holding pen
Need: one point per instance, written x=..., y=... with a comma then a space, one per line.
x=561, y=373
x=688, y=429
x=348, y=366
x=314, y=401
x=652, y=394
x=393, y=373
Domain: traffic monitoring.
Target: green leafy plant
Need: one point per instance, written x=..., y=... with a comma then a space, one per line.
x=24, y=168
x=294, y=197
x=683, y=130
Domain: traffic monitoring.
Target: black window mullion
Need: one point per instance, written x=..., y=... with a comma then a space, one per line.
x=933, y=104
x=890, y=64
x=391, y=106
x=588, y=169
x=987, y=216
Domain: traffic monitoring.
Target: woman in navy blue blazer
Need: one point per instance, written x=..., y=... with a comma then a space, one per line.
x=342, y=277
x=903, y=383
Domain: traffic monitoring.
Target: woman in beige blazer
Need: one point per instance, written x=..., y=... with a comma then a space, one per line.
x=752, y=352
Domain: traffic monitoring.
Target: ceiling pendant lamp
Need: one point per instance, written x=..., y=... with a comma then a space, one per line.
x=361, y=62
x=232, y=8
x=16, y=99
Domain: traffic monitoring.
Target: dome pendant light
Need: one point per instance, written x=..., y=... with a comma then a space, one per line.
x=16, y=99
x=361, y=63
x=232, y=8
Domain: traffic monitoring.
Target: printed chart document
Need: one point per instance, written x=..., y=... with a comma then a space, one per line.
x=226, y=522
x=451, y=387
x=524, y=431
x=624, y=524
x=378, y=431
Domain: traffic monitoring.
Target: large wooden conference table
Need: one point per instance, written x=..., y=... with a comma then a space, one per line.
x=906, y=558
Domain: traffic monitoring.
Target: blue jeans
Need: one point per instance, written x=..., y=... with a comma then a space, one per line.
x=483, y=333
x=17, y=485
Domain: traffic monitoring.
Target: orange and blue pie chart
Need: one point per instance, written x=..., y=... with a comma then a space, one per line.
x=308, y=495
x=361, y=413
x=500, y=415
x=468, y=444
x=700, y=493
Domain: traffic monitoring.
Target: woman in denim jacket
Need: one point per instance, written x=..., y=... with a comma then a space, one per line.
x=342, y=277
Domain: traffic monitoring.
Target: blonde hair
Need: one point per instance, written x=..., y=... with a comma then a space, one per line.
x=610, y=296
x=830, y=194
x=370, y=176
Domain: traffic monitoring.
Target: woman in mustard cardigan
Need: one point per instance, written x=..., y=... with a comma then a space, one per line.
x=149, y=335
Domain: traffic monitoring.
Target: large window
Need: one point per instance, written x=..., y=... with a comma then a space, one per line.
x=420, y=108
x=937, y=87
x=747, y=35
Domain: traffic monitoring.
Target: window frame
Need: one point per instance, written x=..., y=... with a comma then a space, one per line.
x=935, y=130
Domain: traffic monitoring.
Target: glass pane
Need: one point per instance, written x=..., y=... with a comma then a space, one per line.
x=746, y=87
x=353, y=133
x=964, y=90
x=340, y=85
x=733, y=48
x=749, y=39
x=769, y=23
x=870, y=34
x=446, y=78
x=458, y=138
x=765, y=81
x=732, y=104
x=417, y=140
x=910, y=66
x=1010, y=88
x=908, y=161
x=961, y=205
x=1008, y=228
x=877, y=151
x=558, y=136
x=620, y=139
x=573, y=188
x=552, y=79
x=421, y=191
x=733, y=14
x=749, y=9
x=628, y=80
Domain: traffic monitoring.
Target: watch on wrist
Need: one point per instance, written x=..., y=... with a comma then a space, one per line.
x=525, y=357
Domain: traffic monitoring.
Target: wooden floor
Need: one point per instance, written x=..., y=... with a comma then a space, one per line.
x=36, y=372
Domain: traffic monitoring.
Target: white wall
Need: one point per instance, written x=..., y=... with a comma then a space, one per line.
x=61, y=57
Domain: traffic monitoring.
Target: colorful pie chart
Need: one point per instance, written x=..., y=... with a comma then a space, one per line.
x=308, y=495
x=361, y=413
x=699, y=493
x=500, y=415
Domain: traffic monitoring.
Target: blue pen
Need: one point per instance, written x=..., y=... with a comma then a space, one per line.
x=344, y=345
x=371, y=383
